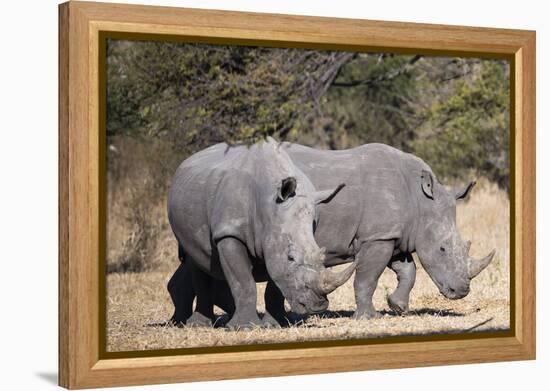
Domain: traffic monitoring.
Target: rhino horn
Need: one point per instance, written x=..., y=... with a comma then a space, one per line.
x=329, y=281
x=325, y=196
x=476, y=266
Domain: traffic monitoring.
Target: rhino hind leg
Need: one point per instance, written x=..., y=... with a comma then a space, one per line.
x=405, y=270
x=275, y=314
x=203, y=285
x=223, y=298
x=237, y=270
x=372, y=260
x=182, y=294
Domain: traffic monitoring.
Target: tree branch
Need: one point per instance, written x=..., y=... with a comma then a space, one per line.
x=375, y=80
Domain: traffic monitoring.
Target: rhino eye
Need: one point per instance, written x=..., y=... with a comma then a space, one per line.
x=291, y=258
x=442, y=249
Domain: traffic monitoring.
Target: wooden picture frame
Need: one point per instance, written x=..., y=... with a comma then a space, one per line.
x=82, y=25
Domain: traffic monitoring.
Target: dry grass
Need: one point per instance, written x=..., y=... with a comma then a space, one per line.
x=138, y=303
x=139, y=236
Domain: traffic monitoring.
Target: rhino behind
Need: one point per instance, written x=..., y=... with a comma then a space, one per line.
x=392, y=206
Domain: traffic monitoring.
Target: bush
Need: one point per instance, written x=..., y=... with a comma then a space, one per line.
x=166, y=101
x=470, y=131
x=138, y=176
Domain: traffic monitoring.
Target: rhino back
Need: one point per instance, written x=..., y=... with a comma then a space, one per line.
x=220, y=192
x=377, y=202
x=207, y=190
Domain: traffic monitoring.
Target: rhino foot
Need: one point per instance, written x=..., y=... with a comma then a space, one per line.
x=363, y=315
x=175, y=322
x=199, y=320
x=243, y=323
x=398, y=305
x=269, y=321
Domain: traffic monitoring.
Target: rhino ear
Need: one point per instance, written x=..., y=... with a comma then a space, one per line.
x=287, y=189
x=427, y=183
x=465, y=192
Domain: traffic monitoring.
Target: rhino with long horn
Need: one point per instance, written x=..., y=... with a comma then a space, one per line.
x=392, y=206
x=244, y=214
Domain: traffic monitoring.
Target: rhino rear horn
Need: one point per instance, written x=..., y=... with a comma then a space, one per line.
x=463, y=193
x=325, y=196
x=476, y=266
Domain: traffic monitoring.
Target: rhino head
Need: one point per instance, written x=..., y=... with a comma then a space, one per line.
x=442, y=253
x=293, y=259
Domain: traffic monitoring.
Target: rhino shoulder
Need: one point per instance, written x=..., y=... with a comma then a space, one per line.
x=232, y=208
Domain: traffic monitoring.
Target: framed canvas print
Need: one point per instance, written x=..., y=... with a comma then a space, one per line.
x=247, y=195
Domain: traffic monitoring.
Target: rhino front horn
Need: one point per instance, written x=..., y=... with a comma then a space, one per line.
x=476, y=266
x=329, y=281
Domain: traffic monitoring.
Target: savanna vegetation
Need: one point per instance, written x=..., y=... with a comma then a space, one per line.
x=166, y=101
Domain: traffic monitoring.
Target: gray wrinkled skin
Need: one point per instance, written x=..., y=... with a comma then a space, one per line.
x=244, y=214
x=391, y=207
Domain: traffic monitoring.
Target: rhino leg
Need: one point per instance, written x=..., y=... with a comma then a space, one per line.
x=203, y=286
x=223, y=297
x=372, y=260
x=182, y=294
x=238, y=273
x=275, y=314
x=405, y=269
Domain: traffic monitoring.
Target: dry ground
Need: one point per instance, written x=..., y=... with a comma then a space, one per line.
x=138, y=304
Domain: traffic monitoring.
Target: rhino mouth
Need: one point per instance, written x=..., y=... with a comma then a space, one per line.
x=311, y=306
x=318, y=307
x=454, y=293
x=299, y=308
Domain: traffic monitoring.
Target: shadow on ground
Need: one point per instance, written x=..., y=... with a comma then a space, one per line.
x=428, y=311
x=300, y=320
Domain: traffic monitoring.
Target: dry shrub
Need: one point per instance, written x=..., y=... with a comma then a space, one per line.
x=485, y=220
x=138, y=233
x=138, y=246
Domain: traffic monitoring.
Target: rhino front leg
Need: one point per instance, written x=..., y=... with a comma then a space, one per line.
x=405, y=269
x=238, y=273
x=372, y=260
